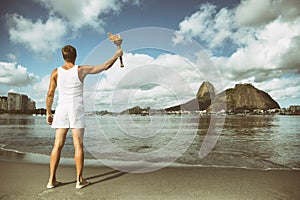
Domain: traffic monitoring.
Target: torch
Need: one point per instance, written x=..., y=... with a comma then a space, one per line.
x=118, y=41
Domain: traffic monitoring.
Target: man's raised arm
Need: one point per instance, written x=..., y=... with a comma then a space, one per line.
x=85, y=69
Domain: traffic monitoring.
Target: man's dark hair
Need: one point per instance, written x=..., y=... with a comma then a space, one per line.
x=69, y=53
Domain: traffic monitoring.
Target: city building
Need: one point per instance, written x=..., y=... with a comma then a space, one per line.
x=31, y=105
x=13, y=102
x=19, y=103
x=295, y=109
x=3, y=104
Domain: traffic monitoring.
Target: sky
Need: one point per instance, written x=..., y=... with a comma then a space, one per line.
x=170, y=48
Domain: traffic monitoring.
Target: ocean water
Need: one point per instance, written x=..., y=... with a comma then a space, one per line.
x=256, y=142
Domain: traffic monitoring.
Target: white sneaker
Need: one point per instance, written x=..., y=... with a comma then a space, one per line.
x=53, y=185
x=82, y=184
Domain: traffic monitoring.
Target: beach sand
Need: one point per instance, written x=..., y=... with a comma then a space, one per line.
x=28, y=181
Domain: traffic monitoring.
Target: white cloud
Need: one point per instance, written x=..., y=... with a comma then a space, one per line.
x=46, y=36
x=42, y=85
x=282, y=89
x=156, y=82
x=84, y=12
x=15, y=75
x=273, y=53
x=211, y=27
x=291, y=59
x=39, y=91
x=197, y=24
x=255, y=12
x=261, y=12
x=11, y=57
x=37, y=36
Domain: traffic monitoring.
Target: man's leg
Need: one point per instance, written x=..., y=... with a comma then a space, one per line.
x=79, y=155
x=60, y=137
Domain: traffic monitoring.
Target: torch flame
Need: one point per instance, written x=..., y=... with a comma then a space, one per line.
x=114, y=37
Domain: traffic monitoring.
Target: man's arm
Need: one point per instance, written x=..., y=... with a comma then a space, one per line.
x=85, y=69
x=50, y=96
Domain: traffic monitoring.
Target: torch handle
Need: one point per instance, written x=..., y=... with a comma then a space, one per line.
x=121, y=59
x=121, y=62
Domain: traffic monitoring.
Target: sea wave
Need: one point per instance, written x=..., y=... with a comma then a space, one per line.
x=7, y=154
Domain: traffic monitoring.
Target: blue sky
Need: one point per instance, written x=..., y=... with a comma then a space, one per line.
x=249, y=41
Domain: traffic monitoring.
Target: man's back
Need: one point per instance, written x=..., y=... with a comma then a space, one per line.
x=70, y=88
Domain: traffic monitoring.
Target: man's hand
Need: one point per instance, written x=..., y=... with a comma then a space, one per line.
x=119, y=53
x=49, y=119
x=118, y=43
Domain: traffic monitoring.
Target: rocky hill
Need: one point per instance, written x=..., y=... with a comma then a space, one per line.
x=238, y=99
x=206, y=93
x=135, y=110
x=242, y=97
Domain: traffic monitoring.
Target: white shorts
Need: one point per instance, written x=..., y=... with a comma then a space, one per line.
x=69, y=116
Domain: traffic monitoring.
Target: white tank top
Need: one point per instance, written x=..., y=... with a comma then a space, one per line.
x=70, y=88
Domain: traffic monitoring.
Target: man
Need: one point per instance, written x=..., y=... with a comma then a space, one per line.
x=69, y=113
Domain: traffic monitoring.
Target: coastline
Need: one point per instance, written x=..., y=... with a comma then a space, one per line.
x=14, y=156
x=28, y=181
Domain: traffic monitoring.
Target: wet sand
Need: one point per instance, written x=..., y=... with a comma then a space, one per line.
x=28, y=181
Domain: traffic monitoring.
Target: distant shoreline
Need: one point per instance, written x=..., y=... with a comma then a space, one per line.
x=174, y=113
